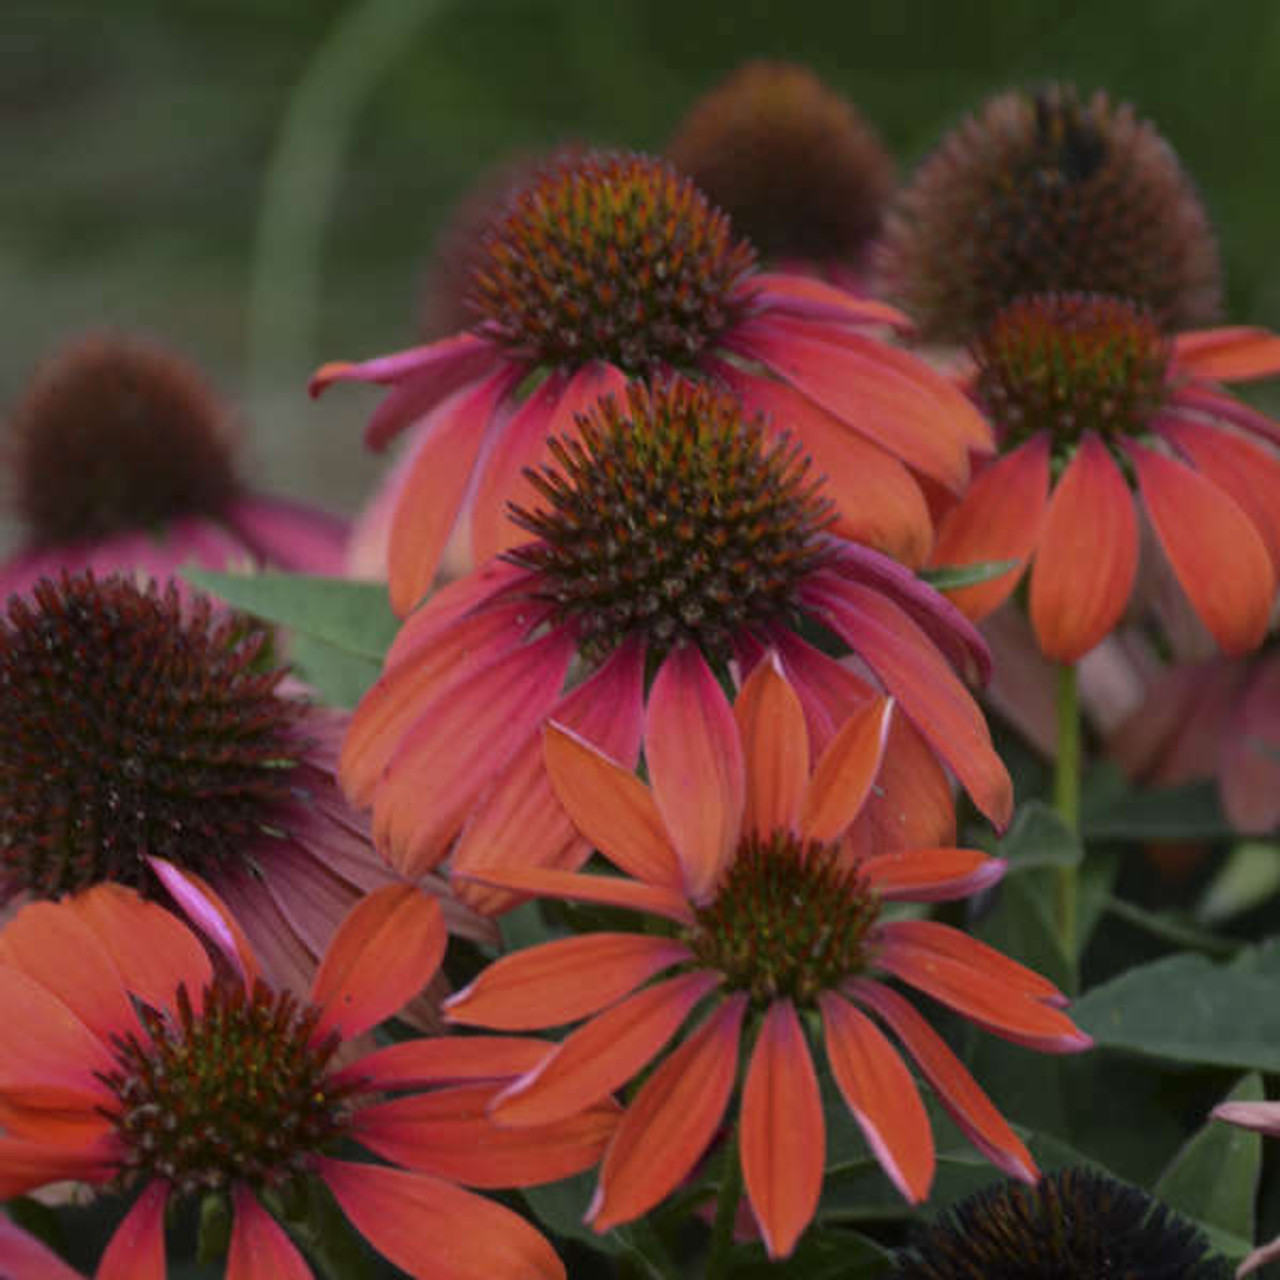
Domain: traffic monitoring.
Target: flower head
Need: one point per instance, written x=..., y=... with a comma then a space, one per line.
x=142, y=1069
x=1091, y=402
x=122, y=457
x=1049, y=192
x=671, y=536
x=766, y=917
x=611, y=266
x=794, y=165
x=1075, y=1224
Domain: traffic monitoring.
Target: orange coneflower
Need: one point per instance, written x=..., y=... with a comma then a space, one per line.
x=613, y=266
x=771, y=920
x=141, y=1071
x=673, y=536
x=1091, y=401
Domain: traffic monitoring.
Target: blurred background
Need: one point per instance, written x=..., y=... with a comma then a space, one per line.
x=258, y=182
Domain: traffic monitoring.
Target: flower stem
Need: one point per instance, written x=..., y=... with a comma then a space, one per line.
x=726, y=1211
x=1066, y=799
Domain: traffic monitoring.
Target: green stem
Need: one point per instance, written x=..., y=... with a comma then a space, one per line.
x=726, y=1212
x=1066, y=799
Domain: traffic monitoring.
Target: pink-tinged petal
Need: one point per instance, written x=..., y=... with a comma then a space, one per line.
x=1258, y=1258
x=1204, y=399
x=782, y=1134
x=999, y=518
x=136, y=1251
x=210, y=915
x=435, y=1230
x=814, y=299
x=311, y=898
x=1245, y=471
x=548, y=413
x=1236, y=353
x=963, y=974
x=260, y=1250
x=828, y=690
x=23, y=1257
x=695, y=763
x=559, y=982
x=1249, y=771
x=877, y=500
x=287, y=964
x=445, y=1060
x=671, y=1121
x=956, y=1089
x=843, y=776
x=451, y=1134
x=434, y=487
x=932, y=875
x=613, y=891
x=912, y=805
x=1262, y=1117
x=1088, y=556
x=879, y=1090
x=459, y=742
x=603, y=1054
x=292, y=535
x=775, y=743
x=26, y=1165
x=927, y=690
x=385, y=952
x=1216, y=552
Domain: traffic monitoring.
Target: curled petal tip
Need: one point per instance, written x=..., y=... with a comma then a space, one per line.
x=326, y=375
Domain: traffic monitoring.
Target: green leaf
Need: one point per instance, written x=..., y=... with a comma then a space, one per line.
x=1190, y=812
x=821, y=1255
x=1021, y=926
x=1173, y=929
x=948, y=577
x=340, y=678
x=1214, y=1178
x=561, y=1206
x=1040, y=838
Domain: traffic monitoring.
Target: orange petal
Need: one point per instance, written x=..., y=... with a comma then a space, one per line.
x=449, y=1133
x=932, y=875
x=844, y=775
x=696, y=766
x=26, y=1165
x=782, y=1135
x=999, y=518
x=136, y=1251
x=23, y=1256
x=614, y=891
x=828, y=690
x=446, y=1060
x=435, y=1230
x=775, y=743
x=671, y=1121
x=559, y=982
x=385, y=951
x=912, y=804
x=260, y=1250
x=603, y=1054
x=1235, y=353
x=956, y=1089
x=879, y=1090
x=612, y=808
x=1216, y=552
x=435, y=486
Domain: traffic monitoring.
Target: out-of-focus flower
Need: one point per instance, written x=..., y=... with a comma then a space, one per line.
x=1075, y=1224
x=614, y=266
x=771, y=919
x=121, y=457
x=1264, y=1118
x=143, y=725
x=673, y=537
x=23, y=1257
x=139, y=1070
x=1091, y=401
x=1048, y=193
x=798, y=170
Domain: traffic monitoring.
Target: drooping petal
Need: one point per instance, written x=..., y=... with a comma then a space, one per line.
x=210, y=914
x=843, y=776
x=1235, y=353
x=775, y=744
x=878, y=1089
x=603, y=1054
x=614, y=891
x=136, y=1251
x=383, y=954
x=445, y=1060
x=1261, y=1117
x=1203, y=399
x=1088, y=557
x=671, y=1121
x=999, y=518
x=559, y=982
x=956, y=1089
x=435, y=1230
x=782, y=1136
x=695, y=763
x=1216, y=552
x=23, y=1256
x=260, y=1249
x=932, y=875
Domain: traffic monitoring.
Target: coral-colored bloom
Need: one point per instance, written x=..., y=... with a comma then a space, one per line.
x=145, y=724
x=1264, y=1118
x=609, y=267
x=740, y=849
x=122, y=458
x=671, y=538
x=1091, y=401
x=140, y=1070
